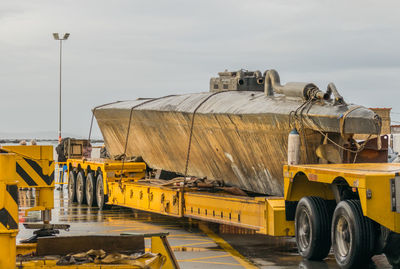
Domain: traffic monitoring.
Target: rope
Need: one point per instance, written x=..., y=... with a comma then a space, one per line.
x=191, y=130
x=300, y=118
x=90, y=131
x=343, y=118
x=359, y=147
x=189, y=147
x=129, y=127
x=342, y=124
x=94, y=110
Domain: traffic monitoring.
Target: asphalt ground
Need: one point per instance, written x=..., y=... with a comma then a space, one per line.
x=196, y=245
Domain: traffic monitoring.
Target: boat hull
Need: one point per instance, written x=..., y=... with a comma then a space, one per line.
x=239, y=138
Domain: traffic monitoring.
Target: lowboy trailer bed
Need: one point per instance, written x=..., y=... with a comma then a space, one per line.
x=354, y=208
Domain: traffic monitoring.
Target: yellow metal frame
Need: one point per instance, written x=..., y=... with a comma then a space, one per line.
x=35, y=169
x=47, y=264
x=8, y=210
x=9, y=225
x=265, y=215
x=372, y=178
x=146, y=197
x=159, y=244
x=111, y=170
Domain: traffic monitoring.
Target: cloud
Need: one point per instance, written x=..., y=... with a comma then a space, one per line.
x=127, y=49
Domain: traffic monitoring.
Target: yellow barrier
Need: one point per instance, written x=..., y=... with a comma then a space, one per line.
x=34, y=167
x=8, y=210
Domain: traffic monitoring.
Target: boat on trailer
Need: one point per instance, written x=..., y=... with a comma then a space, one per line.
x=237, y=132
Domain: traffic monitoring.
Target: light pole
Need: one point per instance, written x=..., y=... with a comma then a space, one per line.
x=57, y=37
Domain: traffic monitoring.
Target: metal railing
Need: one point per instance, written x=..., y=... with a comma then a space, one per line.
x=60, y=173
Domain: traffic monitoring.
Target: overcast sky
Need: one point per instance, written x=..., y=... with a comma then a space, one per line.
x=121, y=50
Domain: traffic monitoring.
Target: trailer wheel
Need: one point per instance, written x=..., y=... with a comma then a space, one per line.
x=312, y=228
x=71, y=187
x=352, y=235
x=392, y=249
x=101, y=198
x=80, y=188
x=90, y=189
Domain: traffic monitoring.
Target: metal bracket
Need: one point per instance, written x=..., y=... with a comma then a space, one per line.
x=44, y=230
x=395, y=193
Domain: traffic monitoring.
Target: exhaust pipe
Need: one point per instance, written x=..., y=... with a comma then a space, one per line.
x=303, y=90
x=331, y=89
x=271, y=82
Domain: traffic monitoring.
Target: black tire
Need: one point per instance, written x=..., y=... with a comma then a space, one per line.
x=392, y=249
x=352, y=235
x=71, y=186
x=312, y=228
x=90, y=189
x=80, y=188
x=101, y=198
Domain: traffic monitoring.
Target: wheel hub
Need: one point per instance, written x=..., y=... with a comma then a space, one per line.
x=70, y=189
x=100, y=195
x=304, y=230
x=343, y=236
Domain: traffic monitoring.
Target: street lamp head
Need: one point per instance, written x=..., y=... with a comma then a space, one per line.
x=57, y=36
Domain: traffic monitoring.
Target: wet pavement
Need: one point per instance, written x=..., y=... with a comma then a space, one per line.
x=195, y=245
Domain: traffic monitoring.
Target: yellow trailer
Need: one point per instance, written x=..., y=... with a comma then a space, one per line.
x=34, y=169
x=31, y=166
x=354, y=208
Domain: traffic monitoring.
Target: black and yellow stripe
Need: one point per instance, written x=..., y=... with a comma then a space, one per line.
x=35, y=173
x=9, y=213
